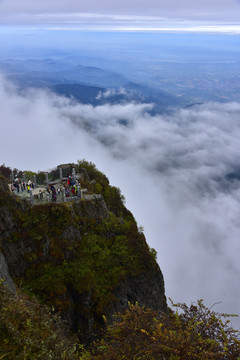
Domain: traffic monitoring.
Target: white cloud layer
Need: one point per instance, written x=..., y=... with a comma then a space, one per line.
x=111, y=92
x=173, y=169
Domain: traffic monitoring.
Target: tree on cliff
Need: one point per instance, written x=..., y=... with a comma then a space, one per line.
x=5, y=171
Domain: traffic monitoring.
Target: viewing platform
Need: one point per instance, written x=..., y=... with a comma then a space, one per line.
x=62, y=189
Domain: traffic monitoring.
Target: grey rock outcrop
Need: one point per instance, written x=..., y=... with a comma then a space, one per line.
x=93, y=207
x=147, y=289
x=4, y=275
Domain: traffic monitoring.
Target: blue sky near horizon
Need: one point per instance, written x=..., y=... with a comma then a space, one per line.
x=24, y=39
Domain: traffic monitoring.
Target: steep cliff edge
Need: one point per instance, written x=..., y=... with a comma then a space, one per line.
x=86, y=258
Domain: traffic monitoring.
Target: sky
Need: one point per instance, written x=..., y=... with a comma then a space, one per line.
x=130, y=15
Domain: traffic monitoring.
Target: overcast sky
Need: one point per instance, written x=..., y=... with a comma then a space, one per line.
x=127, y=13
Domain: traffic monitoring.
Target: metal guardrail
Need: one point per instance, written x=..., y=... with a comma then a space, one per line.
x=35, y=199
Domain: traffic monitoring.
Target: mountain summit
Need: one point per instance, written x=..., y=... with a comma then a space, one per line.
x=86, y=258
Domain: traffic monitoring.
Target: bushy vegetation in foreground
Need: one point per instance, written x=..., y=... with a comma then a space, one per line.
x=194, y=332
x=28, y=330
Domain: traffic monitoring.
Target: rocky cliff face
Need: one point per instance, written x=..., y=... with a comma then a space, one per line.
x=7, y=227
x=4, y=275
x=79, y=257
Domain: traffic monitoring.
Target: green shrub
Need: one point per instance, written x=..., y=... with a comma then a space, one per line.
x=28, y=330
x=197, y=333
x=111, y=194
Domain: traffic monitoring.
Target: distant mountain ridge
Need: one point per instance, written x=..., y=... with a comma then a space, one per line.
x=85, y=83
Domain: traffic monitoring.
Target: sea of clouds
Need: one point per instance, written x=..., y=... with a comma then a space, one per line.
x=173, y=170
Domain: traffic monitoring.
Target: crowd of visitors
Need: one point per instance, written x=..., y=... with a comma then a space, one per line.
x=69, y=189
x=21, y=185
x=53, y=192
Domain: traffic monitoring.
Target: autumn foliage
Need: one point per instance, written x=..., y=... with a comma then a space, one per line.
x=188, y=333
x=29, y=330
